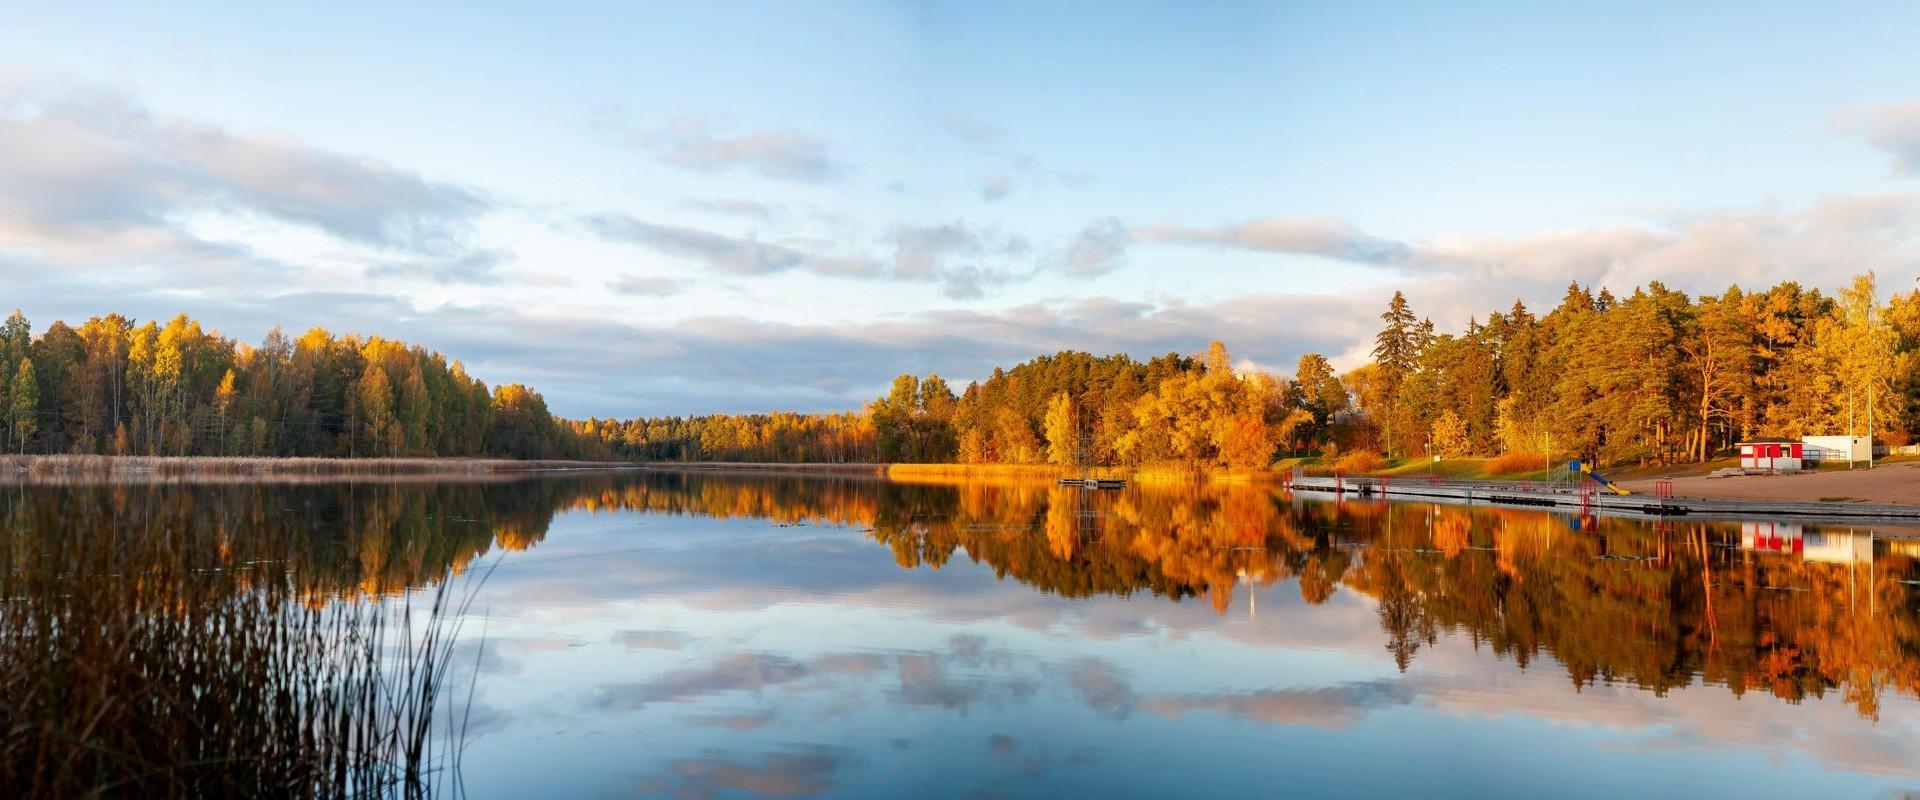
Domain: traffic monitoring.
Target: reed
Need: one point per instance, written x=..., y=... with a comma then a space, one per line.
x=178, y=661
x=913, y=471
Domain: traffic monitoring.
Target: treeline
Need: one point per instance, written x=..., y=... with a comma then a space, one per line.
x=1658, y=376
x=112, y=386
x=1655, y=377
x=1068, y=408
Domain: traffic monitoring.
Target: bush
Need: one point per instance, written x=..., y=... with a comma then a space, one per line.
x=1510, y=463
x=1359, y=462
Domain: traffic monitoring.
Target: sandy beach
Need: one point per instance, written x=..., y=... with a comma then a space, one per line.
x=1897, y=482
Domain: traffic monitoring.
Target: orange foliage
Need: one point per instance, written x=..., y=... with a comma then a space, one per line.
x=1359, y=462
x=1510, y=463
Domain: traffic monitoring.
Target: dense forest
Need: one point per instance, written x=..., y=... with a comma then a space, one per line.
x=1066, y=408
x=114, y=387
x=1654, y=377
x=1658, y=376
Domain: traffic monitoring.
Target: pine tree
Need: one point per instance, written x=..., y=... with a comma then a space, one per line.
x=1397, y=351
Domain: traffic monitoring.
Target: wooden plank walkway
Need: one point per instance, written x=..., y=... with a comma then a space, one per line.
x=1570, y=496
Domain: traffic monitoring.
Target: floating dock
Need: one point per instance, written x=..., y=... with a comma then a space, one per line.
x=1584, y=497
x=1094, y=483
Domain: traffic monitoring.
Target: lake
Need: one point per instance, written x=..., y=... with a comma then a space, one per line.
x=711, y=635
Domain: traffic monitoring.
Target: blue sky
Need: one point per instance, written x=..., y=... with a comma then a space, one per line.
x=647, y=209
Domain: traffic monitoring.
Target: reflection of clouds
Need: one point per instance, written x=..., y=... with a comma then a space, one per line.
x=739, y=672
x=925, y=681
x=650, y=640
x=848, y=663
x=1032, y=761
x=1826, y=729
x=1323, y=707
x=824, y=572
x=750, y=721
x=471, y=658
x=477, y=718
x=954, y=680
x=1101, y=688
x=800, y=773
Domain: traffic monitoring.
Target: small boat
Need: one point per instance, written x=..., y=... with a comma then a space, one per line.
x=1094, y=483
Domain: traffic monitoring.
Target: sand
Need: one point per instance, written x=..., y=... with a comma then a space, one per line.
x=1888, y=483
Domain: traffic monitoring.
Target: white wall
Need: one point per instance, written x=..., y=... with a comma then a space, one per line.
x=1834, y=448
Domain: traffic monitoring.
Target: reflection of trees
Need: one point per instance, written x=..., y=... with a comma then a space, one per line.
x=1612, y=600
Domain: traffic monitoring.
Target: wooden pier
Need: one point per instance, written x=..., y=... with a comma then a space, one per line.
x=1094, y=483
x=1584, y=497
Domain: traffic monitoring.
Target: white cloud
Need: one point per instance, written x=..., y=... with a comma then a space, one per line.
x=644, y=286
x=1835, y=236
x=83, y=165
x=1100, y=248
x=1330, y=237
x=725, y=253
x=1896, y=130
x=779, y=154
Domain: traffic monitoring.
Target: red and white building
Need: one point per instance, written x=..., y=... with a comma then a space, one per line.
x=1772, y=456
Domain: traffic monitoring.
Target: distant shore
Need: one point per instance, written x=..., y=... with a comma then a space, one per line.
x=85, y=467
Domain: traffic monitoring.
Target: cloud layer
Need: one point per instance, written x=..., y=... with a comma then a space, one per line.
x=1895, y=129
x=778, y=154
x=85, y=164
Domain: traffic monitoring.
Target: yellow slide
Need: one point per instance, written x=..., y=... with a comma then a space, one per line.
x=1602, y=480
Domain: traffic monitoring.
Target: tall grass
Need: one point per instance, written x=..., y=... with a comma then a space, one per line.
x=178, y=660
x=911, y=471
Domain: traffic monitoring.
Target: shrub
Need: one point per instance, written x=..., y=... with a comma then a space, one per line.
x=1359, y=462
x=1510, y=463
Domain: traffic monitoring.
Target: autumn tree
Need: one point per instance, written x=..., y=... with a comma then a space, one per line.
x=1449, y=434
x=1318, y=392
x=1063, y=431
x=23, y=404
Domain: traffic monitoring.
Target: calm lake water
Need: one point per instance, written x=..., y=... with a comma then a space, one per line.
x=700, y=635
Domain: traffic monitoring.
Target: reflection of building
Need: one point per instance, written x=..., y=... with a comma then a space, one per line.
x=1831, y=547
x=1772, y=537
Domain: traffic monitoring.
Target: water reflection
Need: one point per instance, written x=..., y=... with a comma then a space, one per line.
x=787, y=636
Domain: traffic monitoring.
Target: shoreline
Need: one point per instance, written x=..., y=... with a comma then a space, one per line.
x=78, y=468
x=1758, y=504
x=1889, y=483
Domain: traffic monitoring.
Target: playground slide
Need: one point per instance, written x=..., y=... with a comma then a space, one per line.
x=1602, y=480
x=1587, y=470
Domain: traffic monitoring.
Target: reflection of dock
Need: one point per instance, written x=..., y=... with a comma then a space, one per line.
x=1094, y=483
x=1581, y=496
